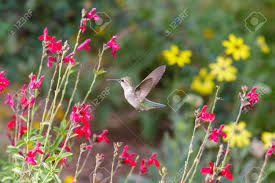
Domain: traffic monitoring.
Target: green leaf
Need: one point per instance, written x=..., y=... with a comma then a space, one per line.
x=12, y=149
x=17, y=170
x=101, y=71
x=18, y=157
x=66, y=154
x=51, y=158
x=20, y=143
x=45, y=165
x=36, y=137
x=57, y=142
x=57, y=179
x=22, y=117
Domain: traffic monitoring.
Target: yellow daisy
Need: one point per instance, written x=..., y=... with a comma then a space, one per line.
x=69, y=179
x=262, y=44
x=268, y=138
x=208, y=33
x=236, y=47
x=175, y=56
x=203, y=83
x=223, y=69
x=241, y=136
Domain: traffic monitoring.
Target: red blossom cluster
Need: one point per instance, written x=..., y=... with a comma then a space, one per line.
x=112, y=44
x=224, y=172
x=4, y=82
x=252, y=98
x=216, y=132
x=126, y=157
x=102, y=137
x=32, y=153
x=80, y=114
x=206, y=116
x=11, y=125
x=145, y=163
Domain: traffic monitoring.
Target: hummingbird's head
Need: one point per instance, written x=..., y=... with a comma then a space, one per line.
x=125, y=82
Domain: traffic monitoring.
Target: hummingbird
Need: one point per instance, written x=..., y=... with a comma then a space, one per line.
x=136, y=96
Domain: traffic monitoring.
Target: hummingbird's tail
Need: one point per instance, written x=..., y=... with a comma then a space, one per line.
x=152, y=104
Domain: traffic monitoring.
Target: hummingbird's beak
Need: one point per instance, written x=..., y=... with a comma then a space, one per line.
x=118, y=80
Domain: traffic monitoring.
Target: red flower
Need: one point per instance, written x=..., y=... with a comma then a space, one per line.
x=143, y=166
x=252, y=98
x=4, y=82
x=22, y=130
x=207, y=170
x=27, y=102
x=54, y=46
x=227, y=173
x=83, y=27
x=35, y=84
x=112, y=44
x=84, y=45
x=64, y=161
x=66, y=147
x=50, y=60
x=89, y=147
x=69, y=59
x=80, y=113
x=152, y=160
x=271, y=150
x=91, y=15
x=12, y=123
x=45, y=36
x=84, y=130
x=126, y=158
x=101, y=137
x=206, y=116
x=9, y=101
x=216, y=132
x=32, y=153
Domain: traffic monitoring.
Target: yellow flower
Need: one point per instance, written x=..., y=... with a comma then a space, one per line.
x=60, y=114
x=262, y=44
x=268, y=138
x=236, y=47
x=174, y=56
x=241, y=135
x=223, y=70
x=208, y=33
x=69, y=179
x=203, y=83
x=36, y=124
x=184, y=58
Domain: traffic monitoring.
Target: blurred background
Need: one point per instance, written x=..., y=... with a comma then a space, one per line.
x=146, y=31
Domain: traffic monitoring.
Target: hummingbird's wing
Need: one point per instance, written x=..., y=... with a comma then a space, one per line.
x=144, y=88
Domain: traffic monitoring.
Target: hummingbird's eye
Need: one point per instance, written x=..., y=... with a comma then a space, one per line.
x=122, y=80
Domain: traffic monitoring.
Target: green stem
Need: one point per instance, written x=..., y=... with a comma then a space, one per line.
x=262, y=169
x=131, y=171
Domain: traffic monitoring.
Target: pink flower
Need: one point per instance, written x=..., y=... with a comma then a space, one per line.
x=54, y=46
x=207, y=170
x=206, y=116
x=89, y=147
x=80, y=113
x=32, y=153
x=143, y=166
x=50, y=60
x=23, y=90
x=84, y=45
x=227, y=173
x=216, y=132
x=64, y=162
x=84, y=130
x=27, y=102
x=4, y=82
x=22, y=130
x=9, y=101
x=45, y=36
x=35, y=84
x=271, y=150
x=101, y=137
x=252, y=98
x=69, y=59
x=91, y=15
x=126, y=158
x=83, y=27
x=152, y=160
x=112, y=44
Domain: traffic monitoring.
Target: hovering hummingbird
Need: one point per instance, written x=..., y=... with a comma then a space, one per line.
x=136, y=95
